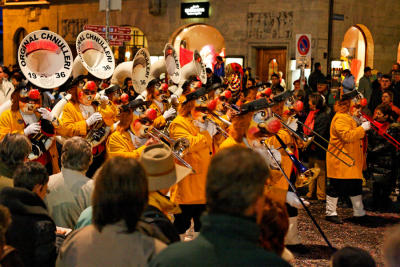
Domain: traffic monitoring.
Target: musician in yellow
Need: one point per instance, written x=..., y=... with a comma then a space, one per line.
x=342, y=179
x=130, y=138
x=190, y=192
x=280, y=190
x=26, y=117
x=80, y=115
x=159, y=95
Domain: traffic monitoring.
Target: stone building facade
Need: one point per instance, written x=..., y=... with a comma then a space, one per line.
x=246, y=25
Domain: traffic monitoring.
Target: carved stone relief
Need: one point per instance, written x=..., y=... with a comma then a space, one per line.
x=270, y=25
x=70, y=28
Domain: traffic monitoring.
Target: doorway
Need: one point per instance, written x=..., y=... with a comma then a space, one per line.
x=269, y=61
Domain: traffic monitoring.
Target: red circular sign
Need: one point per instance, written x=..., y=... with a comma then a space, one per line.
x=303, y=45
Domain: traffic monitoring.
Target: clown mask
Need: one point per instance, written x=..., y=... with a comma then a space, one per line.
x=29, y=101
x=87, y=94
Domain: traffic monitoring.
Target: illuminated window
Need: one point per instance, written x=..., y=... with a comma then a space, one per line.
x=272, y=67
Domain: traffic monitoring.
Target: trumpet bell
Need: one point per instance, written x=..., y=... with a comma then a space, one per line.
x=307, y=177
x=45, y=59
x=95, y=54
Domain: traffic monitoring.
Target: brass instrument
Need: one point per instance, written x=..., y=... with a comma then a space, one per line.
x=178, y=147
x=309, y=139
x=306, y=175
x=219, y=128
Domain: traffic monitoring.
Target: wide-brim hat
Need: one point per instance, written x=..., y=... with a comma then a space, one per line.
x=162, y=171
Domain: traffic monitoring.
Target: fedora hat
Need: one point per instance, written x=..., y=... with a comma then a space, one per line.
x=162, y=171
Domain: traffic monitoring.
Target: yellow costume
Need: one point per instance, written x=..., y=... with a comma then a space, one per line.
x=279, y=187
x=191, y=190
x=12, y=122
x=120, y=144
x=345, y=135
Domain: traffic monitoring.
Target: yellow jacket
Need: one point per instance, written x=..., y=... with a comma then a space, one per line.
x=191, y=190
x=109, y=113
x=345, y=135
x=72, y=121
x=279, y=187
x=12, y=122
x=159, y=122
x=120, y=144
x=230, y=141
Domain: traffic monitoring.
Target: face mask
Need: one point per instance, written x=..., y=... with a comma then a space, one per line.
x=86, y=99
x=28, y=108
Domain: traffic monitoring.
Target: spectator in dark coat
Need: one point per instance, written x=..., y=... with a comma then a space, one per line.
x=319, y=121
x=32, y=231
x=376, y=96
x=315, y=76
x=229, y=235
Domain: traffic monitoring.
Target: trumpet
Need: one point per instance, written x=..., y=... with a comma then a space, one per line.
x=178, y=147
x=310, y=139
x=306, y=176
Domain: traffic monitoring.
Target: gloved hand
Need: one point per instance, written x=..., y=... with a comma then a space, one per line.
x=95, y=117
x=46, y=114
x=293, y=200
x=267, y=156
x=201, y=125
x=366, y=125
x=174, y=100
x=33, y=128
x=211, y=128
x=169, y=113
x=104, y=99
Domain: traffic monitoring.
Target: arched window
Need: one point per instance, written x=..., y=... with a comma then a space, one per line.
x=360, y=46
x=19, y=35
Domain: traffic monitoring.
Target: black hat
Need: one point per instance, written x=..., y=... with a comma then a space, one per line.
x=152, y=83
x=322, y=80
x=349, y=95
x=132, y=105
x=196, y=94
x=255, y=105
x=367, y=69
x=283, y=96
x=111, y=88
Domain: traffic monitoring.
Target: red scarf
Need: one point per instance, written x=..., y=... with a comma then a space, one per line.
x=310, y=122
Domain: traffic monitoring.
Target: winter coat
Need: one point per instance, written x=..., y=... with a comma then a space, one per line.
x=315, y=76
x=119, y=143
x=12, y=122
x=322, y=123
x=382, y=157
x=32, y=231
x=347, y=136
x=365, y=87
x=113, y=246
x=348, y=84
x=191, y=190
x=223, y=241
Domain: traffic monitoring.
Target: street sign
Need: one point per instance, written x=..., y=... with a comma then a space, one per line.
x=303, y=50
x=116, y=43
x=120, y=34
x=112, y=29
x=114, y=5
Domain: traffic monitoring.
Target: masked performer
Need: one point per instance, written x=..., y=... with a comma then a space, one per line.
x=39, y=124
x=342, y=179
x=159, y=95
x=190, y=192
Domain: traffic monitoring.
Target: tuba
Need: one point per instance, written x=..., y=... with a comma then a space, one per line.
x=45, y=60
x=94, y=57
x=195, y=68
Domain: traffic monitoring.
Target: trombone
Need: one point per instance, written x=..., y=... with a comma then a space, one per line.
x=219, y=128
x=306, y=139
x=178, y=147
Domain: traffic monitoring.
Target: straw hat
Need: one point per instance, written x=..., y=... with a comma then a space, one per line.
x=162, y=171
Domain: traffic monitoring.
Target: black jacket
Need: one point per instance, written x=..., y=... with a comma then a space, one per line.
x=382, y=157
x=322, y=124
x=315, y=76
x=223, y=241
x=32, y=231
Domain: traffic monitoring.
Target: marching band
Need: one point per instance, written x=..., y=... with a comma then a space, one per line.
x=179, y=110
